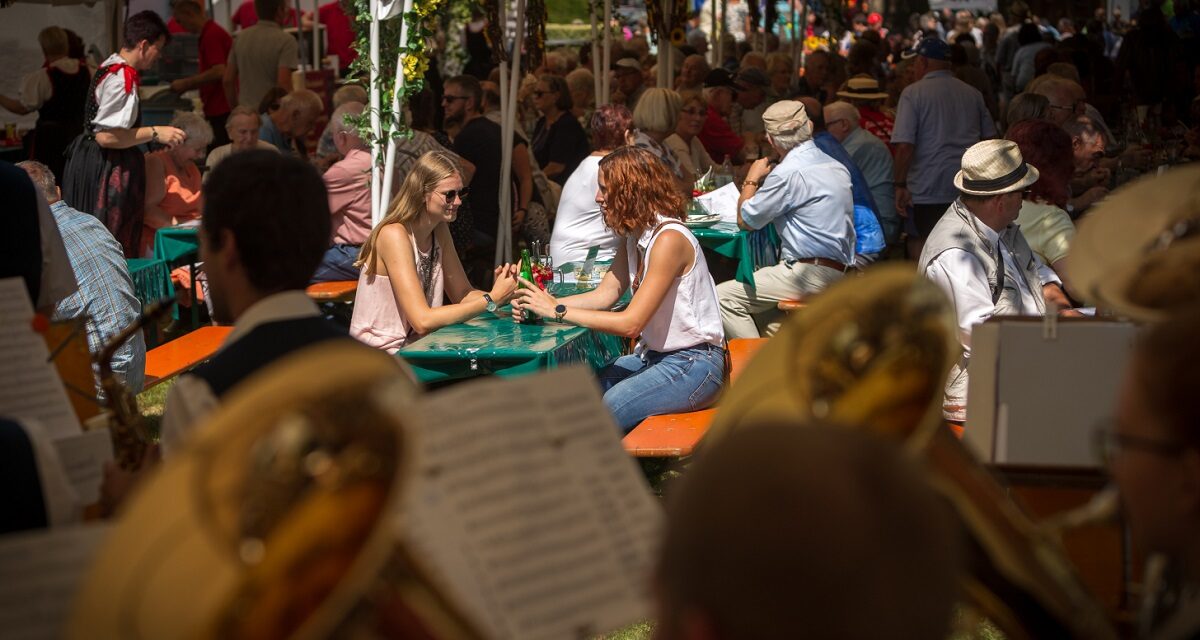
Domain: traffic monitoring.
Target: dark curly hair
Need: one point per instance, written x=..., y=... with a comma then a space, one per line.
x=1047, y=147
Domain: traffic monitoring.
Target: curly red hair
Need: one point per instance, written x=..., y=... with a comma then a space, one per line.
x=1047, y=147
x=639, y=188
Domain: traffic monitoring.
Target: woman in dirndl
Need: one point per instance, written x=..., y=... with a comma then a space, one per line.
x=105, y=173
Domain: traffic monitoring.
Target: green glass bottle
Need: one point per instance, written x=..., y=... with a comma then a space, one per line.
x=526, y=272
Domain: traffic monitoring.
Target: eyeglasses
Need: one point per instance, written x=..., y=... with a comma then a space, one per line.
x=539, y=93
x=833, y=122
x=1109, y=444
x=450, y=98
x=461, y=194
x=694, y=112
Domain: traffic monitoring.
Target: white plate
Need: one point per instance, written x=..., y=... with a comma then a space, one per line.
x=697, y=222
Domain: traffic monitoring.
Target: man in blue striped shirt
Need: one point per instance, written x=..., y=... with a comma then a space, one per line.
x=106, y=294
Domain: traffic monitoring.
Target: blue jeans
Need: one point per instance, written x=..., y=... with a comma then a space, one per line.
x=675, y=382
x=338, y=264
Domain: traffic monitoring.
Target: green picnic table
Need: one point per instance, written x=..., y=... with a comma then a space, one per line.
x=750, y=249
x=177, y=246
x=151, y=283
x=494, y=344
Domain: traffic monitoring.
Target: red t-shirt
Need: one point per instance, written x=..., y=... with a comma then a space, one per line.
x=175, y=27
x=246, y=16
x=718, y=138
x=215, y=44
x=339, y=31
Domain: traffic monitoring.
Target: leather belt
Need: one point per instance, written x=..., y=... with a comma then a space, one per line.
x=824, y=262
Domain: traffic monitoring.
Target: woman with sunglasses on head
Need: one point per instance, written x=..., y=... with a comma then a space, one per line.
x=409, y=265
x=679, y=361
x=559, y=142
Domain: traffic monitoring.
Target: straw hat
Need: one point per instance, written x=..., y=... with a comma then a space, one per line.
x=862, y=87
x=994, y=167
x=1138, y=252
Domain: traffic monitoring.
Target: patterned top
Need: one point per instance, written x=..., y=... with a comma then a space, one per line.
x=665, y=154
x=878, y=123
x=106, y=294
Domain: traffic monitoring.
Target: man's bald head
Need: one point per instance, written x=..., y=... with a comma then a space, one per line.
x=1066, y=98
x=780, y=527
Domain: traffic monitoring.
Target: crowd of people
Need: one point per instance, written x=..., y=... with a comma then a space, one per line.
x=970, y=144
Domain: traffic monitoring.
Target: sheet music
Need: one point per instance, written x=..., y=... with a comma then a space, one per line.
x=83, y=458
x=527, y=509
x=29, y=385
x=39, y=574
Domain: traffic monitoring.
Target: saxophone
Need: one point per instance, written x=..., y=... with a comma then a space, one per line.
x=125, y=423
x=875, y=351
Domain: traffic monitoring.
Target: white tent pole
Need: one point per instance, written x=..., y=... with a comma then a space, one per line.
x=664, y=47
x=509, y=116
x=721, y=34
x=596, y=79
x=376, y=129
x=389, y=163
x=607, y=52
x=505, y=195
x=712, y=37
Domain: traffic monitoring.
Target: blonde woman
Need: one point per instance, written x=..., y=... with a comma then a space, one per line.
x=409, y=266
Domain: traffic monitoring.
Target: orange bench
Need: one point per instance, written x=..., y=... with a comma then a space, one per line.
x=336, y=291
x=183, y=353
x=676, y=434
x=788, y=306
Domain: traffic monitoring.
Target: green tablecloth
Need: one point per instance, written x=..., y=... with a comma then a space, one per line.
x=177, y=245
x=751, y=249
x=151, y=279
x=495, y=344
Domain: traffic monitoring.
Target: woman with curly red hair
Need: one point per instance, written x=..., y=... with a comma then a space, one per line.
x=679, y=361
x=1044, y=220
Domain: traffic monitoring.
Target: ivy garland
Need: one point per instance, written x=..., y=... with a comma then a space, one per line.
x=415, y=61
x=535, y=32
x=680, y=13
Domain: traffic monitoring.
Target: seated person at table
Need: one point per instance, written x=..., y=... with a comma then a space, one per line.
x=679, y=363
x=960, y=253
x=264, y=229
x=1154, y=456
x=808, y=197
x=242, y=127
x=559, y=143
x=348, y=182
x=287, y=126
x=1044, y=220
x=173, y=179
x=106, y=295
x=579, y=223
x=409, y=265
x=760, y=543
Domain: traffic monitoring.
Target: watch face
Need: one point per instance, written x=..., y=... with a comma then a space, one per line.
x=562, y=308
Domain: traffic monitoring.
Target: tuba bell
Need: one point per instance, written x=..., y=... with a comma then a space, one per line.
x=875, y=352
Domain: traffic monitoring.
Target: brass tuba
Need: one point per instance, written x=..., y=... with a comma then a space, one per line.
x=875, y=351
x=277, y=520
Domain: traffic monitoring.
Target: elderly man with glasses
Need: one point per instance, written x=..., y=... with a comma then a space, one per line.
x=348, y=183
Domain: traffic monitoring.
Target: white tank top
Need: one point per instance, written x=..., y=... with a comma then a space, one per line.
x=688, y=315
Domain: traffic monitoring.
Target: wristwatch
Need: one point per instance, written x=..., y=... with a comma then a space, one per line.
x=559, y=312
x=491, y=304
x=756, y=184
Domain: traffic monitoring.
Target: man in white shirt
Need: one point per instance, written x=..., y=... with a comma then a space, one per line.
x=979, y=257
x=265, y=227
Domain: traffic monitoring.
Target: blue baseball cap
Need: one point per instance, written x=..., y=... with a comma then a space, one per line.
x=933, y=48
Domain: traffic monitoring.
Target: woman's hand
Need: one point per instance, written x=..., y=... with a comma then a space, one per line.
x=170, y=136
x=531, y=297
x=505, y=283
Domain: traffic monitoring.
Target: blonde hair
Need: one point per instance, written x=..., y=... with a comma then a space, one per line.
x=657, y=111
x=53, y=41
x=409, y=203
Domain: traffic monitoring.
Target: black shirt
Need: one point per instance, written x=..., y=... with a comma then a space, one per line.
x=479, y=143
x=563, y=142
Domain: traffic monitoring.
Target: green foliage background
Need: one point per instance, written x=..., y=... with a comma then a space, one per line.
x=564, y=11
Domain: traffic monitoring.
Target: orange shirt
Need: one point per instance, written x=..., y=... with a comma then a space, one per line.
x=172, y=195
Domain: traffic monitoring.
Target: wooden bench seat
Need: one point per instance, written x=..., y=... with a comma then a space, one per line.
x=677, y=434
x=336, y=291
x=183, y=353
